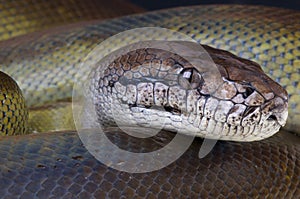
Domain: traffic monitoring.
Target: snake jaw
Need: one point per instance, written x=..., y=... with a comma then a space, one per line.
x=265, y=100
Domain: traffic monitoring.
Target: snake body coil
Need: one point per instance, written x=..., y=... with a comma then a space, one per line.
x=45, y=65
x=13, y=112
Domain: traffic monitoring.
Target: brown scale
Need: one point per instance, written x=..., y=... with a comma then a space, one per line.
x=240, y=78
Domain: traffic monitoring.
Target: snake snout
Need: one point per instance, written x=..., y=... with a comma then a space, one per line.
x=278, y=111
x=281, y=113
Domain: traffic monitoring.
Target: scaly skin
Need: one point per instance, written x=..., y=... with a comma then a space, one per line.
x=269, y=37
x=57, y=165
x=245, y=104
x=13, y=112
x=48, y=167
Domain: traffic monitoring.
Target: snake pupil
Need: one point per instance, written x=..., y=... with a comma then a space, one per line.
x=248, y=92
x=111, y=83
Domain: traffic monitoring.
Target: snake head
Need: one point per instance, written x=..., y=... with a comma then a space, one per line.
x=260, y=103
x=159, y=89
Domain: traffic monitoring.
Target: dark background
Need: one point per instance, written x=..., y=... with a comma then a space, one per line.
x=160, y=4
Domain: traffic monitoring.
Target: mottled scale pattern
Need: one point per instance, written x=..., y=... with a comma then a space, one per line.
x=58, y=166
x=39, y=166
x=127, y=90
x=20, y=17
x=13, y=112
x=266, y=35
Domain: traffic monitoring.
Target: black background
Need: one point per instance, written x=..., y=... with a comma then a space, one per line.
x=160, y=4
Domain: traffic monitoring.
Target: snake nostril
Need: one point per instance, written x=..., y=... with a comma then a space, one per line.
x=272, y=118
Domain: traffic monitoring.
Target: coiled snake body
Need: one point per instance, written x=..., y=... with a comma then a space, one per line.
x=57, y=165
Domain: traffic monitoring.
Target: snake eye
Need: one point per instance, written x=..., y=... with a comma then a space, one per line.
x=190, y=78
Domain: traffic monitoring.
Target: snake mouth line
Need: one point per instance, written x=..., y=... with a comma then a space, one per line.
x=176, y=111
x=173, y=110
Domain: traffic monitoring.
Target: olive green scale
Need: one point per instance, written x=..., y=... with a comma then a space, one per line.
x=47, y=64
x=13, y=113
x=56, y=165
